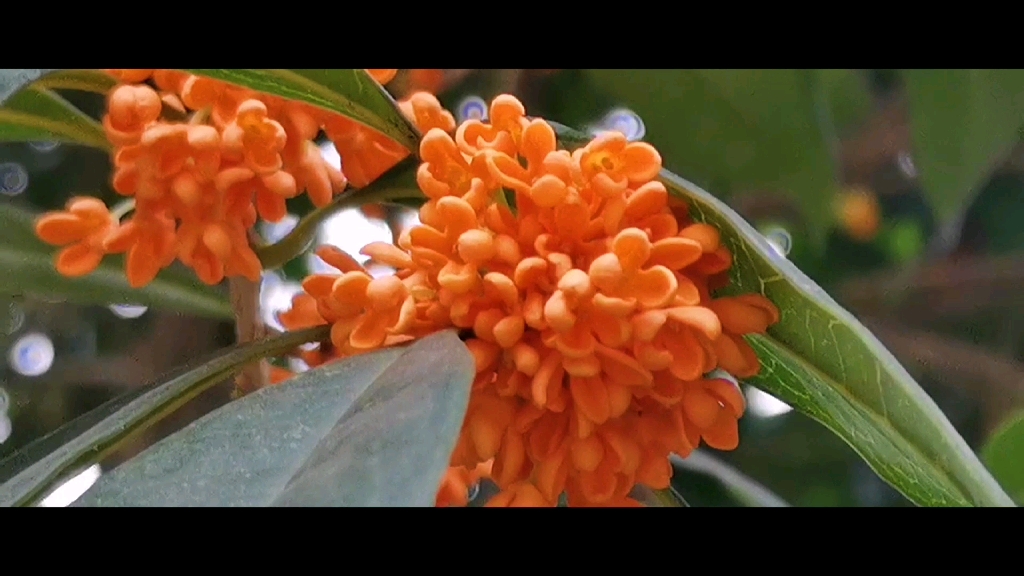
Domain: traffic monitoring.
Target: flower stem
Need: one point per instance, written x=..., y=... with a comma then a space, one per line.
x=249, y=326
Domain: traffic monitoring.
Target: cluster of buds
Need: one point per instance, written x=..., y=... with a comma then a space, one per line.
x=587, y=300
x=203, y=160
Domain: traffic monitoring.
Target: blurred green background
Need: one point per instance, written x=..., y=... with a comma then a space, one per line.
x=900, y=192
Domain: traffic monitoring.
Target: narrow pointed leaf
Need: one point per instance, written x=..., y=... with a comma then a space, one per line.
x=85, y=80
x=742, y=487
x=351, y=93
x=963, y=123
x=376, y=429
x=28, y=269
x=32, y=471
x=826, y=364
x=33, y=113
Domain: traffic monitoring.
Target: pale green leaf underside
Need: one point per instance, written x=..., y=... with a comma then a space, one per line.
x=376, y=429
x=85, y=441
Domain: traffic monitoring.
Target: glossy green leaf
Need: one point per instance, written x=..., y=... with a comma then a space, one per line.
x=352, y=93
x=1004, y=456
x=963, y=123
x=32, y=471
x=377, y=429
x=34, y=113
x=398, y=183
x=743, y=488
x=743, y=130
x=28, y=269
x=825, y=363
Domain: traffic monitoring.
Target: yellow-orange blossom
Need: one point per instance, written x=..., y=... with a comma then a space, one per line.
x=589, y=306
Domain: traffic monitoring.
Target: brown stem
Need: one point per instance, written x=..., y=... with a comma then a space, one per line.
x=249, y=326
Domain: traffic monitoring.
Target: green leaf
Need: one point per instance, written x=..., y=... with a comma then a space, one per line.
x=397, y=184
x=85, y=80
x=83, y=442
x=28, y=269
x=1004, y=455
x=744, y=130
x=351, y=93
x=826, y=364
x=963, y=123
x=37, y=114
x=742, y=487
x=377, y=429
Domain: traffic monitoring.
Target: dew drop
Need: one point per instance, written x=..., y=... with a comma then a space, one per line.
x=780, y=239
x=128, y=311
x=31, y=355
x=13, y=178
x=625, y=121
x=5, y=428
x=474, y=491
x=44, y=147
x=471, y=108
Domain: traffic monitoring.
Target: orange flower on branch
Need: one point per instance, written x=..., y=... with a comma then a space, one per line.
x=200, y=184
x=590, y=307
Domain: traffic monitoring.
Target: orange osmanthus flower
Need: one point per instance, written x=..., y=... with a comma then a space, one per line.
x=201, y=184
x=590, y=307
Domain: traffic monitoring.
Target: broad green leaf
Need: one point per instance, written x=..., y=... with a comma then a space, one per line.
x=32, y=471
x=351, y=93
x=398, y=183
x=963, y=123
x=744, y=130
x=28, y=269
x=33, y=113
x=743, y=488
x=377, y=429
x=825, y=363
x=1004, y=455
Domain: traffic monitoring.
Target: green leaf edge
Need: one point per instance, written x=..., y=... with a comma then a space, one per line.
x=132, y=414
x=304, y=89
x=978, y=485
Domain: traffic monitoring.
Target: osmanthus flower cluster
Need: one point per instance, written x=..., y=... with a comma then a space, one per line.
x=584, y=298
x=203, y=160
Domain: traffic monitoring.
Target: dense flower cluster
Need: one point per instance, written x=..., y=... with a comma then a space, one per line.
x=589, y=303
x=203, y=160
x=585, y=296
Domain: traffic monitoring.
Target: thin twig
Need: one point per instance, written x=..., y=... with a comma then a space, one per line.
x=249, y=326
